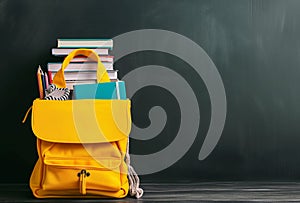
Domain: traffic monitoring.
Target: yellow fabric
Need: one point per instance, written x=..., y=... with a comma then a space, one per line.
x=81, y=146
x=81, y=121
x=63, y=152
x=102, y=76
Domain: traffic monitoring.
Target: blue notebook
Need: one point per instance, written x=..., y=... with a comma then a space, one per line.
x=106, y=90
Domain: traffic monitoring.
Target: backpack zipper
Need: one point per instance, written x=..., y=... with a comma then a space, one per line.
x=83, y=174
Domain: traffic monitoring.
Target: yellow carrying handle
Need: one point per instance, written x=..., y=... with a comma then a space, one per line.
x=102, y=76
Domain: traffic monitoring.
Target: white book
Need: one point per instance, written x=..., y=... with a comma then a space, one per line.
x=85, y=75
x=70, y=83
x=66, y=51
x=85, y=43
x=104, y=58
x=88, y=66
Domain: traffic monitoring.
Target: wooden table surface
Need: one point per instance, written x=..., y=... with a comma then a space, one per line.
x=182, y=192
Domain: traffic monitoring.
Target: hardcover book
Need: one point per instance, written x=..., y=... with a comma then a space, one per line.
x=106, y=90
x=66, y=51
x=85, y=43
x=85, y=75
x=88, y=66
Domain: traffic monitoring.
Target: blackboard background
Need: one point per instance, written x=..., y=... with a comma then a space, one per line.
x=255, y=44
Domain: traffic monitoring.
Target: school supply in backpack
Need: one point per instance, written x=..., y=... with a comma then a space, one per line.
x=82, y=145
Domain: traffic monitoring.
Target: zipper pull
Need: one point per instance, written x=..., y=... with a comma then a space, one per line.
x=82, y=181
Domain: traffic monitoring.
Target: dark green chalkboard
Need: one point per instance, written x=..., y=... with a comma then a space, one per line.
x=254, y=44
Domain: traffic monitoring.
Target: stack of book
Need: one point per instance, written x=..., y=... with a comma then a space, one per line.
x=83, y=70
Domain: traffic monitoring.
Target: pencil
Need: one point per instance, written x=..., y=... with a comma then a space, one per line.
x=40, y=82
x=46, y=80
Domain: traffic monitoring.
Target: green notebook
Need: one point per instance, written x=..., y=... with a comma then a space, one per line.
x=106, y=90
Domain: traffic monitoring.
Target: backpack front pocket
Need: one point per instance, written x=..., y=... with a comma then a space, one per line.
x=64, y=169
x=59, y=175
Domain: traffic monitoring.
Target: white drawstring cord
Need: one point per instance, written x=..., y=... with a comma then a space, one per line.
x=134, y=181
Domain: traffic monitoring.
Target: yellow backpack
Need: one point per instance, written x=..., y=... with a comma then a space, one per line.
x=82, y=145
